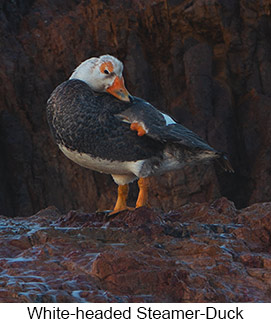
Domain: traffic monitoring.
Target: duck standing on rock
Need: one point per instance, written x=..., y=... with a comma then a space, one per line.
x=97, y=124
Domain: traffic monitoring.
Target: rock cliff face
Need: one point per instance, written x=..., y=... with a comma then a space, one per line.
x=207, y=63
x=199, y=253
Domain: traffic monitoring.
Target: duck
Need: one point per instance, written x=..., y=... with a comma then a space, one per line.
x=99, y=125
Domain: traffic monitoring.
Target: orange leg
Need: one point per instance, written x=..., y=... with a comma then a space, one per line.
x=122, y=198
x=143, y=184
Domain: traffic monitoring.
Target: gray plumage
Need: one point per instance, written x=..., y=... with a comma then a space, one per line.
x=98, y=125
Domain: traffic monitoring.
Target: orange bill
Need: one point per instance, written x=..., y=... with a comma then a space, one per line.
x=119, y=90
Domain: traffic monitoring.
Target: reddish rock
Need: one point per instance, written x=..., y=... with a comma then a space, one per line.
x=199, y=253
x=135, y=273
x=257, y=232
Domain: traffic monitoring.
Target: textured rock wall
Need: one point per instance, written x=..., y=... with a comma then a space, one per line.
x=207, y=63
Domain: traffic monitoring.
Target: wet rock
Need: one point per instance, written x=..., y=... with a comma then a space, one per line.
x=199, y=253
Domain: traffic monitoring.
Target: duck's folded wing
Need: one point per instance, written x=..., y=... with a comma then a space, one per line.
x=163, y=128
x=178, y=134
x=160, y=126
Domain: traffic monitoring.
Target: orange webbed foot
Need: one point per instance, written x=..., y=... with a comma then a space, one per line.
x=121, y=201
x=127, y=208
x=143, y=185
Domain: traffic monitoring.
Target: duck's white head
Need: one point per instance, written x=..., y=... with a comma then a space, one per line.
x=103, y=74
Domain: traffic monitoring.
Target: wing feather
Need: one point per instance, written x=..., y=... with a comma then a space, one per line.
x=157, y=125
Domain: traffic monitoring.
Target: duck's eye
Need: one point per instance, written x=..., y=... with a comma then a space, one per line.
x=106, y=72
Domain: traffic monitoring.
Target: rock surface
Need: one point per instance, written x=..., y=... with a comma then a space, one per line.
x=199, y=253
x=207, y=63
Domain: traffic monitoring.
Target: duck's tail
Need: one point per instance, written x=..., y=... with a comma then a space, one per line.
x=225, y=163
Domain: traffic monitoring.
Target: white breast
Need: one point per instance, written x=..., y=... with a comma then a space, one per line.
x=103, y=165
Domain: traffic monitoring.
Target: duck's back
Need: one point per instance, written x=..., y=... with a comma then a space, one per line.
x=85, y=122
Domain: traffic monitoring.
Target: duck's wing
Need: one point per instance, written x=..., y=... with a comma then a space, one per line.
x=163, y=128
x=160, y=126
